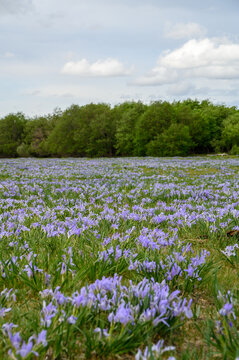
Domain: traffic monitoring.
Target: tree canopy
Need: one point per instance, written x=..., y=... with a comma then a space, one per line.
x=129, y=129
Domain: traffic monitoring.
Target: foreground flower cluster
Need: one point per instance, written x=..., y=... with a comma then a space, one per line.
x=96, y=257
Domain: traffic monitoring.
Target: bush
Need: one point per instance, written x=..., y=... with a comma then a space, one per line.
x=234, y=150
x=22, y=150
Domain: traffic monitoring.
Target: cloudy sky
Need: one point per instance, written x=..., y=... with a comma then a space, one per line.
x=54, y=53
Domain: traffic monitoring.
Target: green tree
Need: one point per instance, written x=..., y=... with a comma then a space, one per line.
x=83, y=131
x=151, y=124
x=35, y=136
x=101, y=131
x=174, y=141
x=62, y=139
x=205, y=123
x=127, y=115
x=216, y=115
x=230, y=132
x=11, y=132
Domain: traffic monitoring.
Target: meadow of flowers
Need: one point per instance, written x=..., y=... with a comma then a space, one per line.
x=127, y=258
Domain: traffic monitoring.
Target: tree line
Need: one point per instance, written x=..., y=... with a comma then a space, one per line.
x=128, y=129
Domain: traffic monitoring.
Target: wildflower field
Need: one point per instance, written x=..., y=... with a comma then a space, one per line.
x=122, y=258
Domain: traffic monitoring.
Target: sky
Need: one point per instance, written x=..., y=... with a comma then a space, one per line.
x=55, y=53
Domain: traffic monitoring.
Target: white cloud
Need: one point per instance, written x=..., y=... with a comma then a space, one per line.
x=184, y=31
x=58, y=91
x=181, y=89
x=23, y=69
x=196, y=59
x=14, y=6
x=103, y=68
x=7, y=55
x=87, y=93
x=201, y=53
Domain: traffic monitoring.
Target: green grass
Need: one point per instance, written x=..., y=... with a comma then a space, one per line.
x=116, y=213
